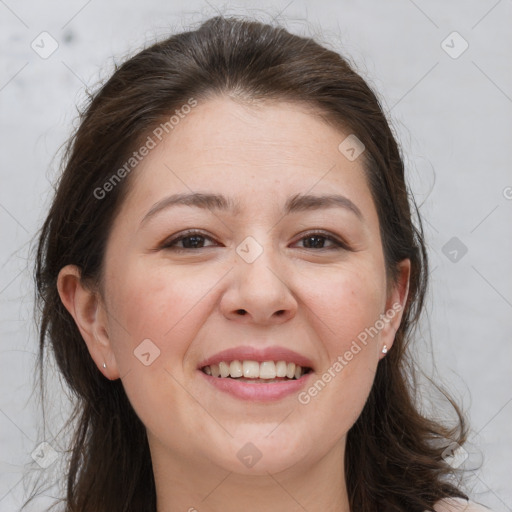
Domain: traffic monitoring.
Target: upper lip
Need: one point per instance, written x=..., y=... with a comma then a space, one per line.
x=259, y=354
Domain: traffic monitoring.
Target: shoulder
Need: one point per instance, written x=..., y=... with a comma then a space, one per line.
x=458, y=505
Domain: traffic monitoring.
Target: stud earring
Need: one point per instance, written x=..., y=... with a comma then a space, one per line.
x=104, y=365
x=385, y=349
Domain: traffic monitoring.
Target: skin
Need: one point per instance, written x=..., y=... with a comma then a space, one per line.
x=188, y=304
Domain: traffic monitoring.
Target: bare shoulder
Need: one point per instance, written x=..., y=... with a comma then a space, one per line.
x=459, y=505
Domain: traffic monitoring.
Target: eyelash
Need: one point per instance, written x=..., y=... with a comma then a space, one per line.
x=169, y=244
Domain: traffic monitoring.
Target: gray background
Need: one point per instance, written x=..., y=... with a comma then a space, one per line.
x=452, y=116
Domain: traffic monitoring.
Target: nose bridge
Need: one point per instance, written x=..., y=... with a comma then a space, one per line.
x=257, y=263
x=259, y=289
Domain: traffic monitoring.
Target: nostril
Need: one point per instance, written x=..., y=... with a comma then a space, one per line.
x=280, y=312
x=241, y=311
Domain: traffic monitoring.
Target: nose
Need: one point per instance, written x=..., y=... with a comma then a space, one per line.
x=258, y=292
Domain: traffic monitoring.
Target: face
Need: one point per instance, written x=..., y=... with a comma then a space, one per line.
x=258, y=266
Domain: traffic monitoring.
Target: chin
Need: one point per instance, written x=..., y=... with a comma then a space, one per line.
x=259, y=449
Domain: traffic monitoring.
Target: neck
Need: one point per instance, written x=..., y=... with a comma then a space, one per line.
x=201, y=486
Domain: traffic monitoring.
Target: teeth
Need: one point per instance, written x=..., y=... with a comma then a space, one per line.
x=281, y=369
x=251, y=369
x=224, y=369
x=215, y=370
x=267, y=370
x=235, y=369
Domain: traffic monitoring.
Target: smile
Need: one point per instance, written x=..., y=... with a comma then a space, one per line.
x=253, y=371
x=251, y=380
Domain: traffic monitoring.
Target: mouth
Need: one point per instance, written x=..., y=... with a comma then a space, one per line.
x=257, y=372
x=260, y=374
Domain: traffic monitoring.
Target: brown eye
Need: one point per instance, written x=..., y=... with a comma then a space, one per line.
x=188, y=241
x=319, y=240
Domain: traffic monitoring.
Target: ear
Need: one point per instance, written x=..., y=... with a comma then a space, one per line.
x=395, y=304
x=88, y=310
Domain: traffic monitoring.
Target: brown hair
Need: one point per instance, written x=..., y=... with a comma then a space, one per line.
x=394, y=452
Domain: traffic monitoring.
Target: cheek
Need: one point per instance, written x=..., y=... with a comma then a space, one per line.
x=143, y=297
x=346, y=302
x=157, y=313
x=345, y=307
x=158, y=303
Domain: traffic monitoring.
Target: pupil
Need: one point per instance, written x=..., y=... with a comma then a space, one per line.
x=317, y=241
x=196, y=241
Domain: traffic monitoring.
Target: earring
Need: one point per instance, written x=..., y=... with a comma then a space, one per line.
x=385, y=349
x=104, y=365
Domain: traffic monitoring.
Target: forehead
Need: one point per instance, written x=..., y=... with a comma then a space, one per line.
x=259, y=135
x=268, y=150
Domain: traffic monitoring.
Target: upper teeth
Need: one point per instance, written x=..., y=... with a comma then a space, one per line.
x=254, y=370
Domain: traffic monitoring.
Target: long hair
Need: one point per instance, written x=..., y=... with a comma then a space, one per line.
x=394, y=452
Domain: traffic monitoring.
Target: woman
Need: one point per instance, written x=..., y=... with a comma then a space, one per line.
x=229, y=277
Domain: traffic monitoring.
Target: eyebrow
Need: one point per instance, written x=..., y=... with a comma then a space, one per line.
x=296, y=203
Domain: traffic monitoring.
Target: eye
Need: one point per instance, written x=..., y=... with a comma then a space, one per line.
x=189, y=240
x=317, y=240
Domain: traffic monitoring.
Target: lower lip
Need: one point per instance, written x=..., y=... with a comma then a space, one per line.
x=257, y=391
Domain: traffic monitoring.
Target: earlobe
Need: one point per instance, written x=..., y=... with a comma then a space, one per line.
x=85, y=306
